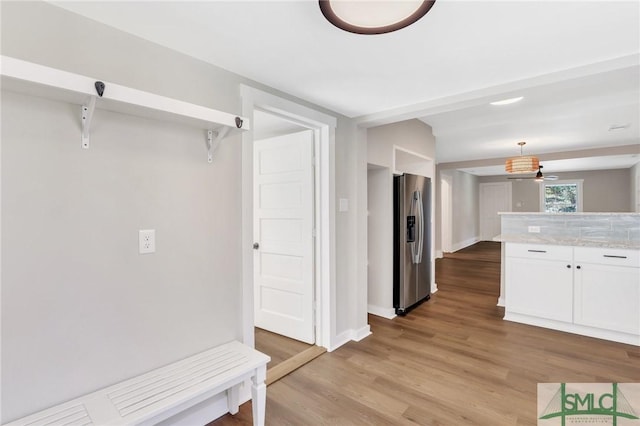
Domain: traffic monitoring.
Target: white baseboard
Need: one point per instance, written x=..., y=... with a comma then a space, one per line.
x=439, y=254
x=616, y=336
x=361, y=333
x=434, y=288
x=388, y=313
x=340, y=340
x=465, y=243
x=501, y=301
x=349, y=335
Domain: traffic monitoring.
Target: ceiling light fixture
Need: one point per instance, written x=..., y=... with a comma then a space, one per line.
x=507, y=101
x=373, y=17
x=539, y=177
x=523, y=163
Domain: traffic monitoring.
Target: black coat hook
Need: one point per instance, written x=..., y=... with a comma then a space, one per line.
x=99, y=88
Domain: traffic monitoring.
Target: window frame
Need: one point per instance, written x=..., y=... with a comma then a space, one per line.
x=577, y=182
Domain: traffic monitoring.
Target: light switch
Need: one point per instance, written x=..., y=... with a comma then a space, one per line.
x=343, y=205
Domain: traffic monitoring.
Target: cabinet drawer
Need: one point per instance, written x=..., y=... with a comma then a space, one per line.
x=605, y=256
x=539, y=251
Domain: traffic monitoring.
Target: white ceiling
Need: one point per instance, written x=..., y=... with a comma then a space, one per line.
x=569, y=115
x=576, y=63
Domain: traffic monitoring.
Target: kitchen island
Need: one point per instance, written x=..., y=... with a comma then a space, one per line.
x=574, y=272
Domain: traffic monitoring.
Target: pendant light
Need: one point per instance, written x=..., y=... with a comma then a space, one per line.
x=373, y=17
x=523, y=163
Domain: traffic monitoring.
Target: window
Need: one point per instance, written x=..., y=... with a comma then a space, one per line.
x=561, y=196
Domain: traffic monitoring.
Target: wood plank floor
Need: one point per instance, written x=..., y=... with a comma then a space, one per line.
x=288, y=365
x=279, y=348
x=487, y=251
x=451, y=361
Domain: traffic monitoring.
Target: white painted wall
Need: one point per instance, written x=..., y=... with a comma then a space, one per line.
x=634, y=177
x=80, y=308
x=359, y=225
x=465, y=222
x=74, y=286
x=411, y=135
x=465, y=208
x=351, y=314
x=380, y=240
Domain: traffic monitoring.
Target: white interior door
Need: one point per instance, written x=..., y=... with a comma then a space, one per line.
x=494, y=198
x=283, y=235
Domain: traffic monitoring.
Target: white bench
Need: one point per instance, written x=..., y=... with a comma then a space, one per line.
x=162, y=393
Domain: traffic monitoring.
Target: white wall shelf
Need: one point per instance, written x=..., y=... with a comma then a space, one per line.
x=38, y=80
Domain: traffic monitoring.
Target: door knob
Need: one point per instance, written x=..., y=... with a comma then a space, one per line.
x=256, y=246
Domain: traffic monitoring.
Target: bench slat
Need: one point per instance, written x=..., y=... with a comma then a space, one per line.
x=162, y=381
x=165, y=392
x=163, y=371
x=59, y=415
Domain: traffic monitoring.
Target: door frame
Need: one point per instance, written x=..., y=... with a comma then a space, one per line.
x=323, y=127
x=446, y=212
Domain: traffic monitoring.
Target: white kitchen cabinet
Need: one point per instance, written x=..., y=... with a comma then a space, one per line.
x=540, y=281
x=607, y=289
x=591, y=291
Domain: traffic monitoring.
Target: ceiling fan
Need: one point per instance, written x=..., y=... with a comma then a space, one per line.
x=539, y=177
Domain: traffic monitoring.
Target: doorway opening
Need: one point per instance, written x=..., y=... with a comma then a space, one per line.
x=298, y=136
x=283, y=225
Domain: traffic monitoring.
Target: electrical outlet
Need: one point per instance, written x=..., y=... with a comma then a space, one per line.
x=534, y=229
x=147, y=241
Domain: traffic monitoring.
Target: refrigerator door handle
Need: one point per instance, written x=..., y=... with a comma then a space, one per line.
x=411, y=241
x=418, y=257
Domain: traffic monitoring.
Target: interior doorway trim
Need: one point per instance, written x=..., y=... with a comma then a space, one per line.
x=446, y=214
x=323, y=126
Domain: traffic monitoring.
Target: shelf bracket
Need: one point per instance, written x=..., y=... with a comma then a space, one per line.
x=214, y=137
x=87, y=116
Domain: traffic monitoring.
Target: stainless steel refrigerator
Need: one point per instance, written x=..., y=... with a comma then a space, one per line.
x=411, y=238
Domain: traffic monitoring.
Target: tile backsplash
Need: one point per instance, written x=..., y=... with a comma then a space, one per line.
x=613, y=229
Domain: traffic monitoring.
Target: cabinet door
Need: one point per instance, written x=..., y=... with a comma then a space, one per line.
x=540, y=287
x=608, y=297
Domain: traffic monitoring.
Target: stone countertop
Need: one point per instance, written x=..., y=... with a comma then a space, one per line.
x=572, y=214
x=547, y=239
